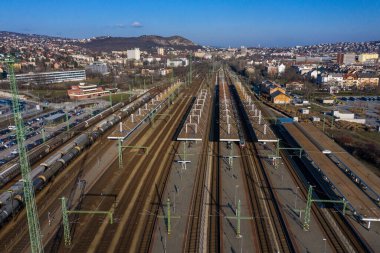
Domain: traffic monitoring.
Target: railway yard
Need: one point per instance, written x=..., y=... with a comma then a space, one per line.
x=204, y=166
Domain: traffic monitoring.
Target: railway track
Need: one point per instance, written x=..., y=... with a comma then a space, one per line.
x=193, y=240
x=10, y=172
x=351, y=243
x=138, y=195
x=47, y=199
x=151, y=223
x=270, y=225
x=215, y=223
x=14, y=237
x=346, y=238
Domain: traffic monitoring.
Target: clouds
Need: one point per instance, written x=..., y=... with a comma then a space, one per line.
x=136, y=24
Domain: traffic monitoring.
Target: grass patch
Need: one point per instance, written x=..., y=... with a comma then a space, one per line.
x=117, y=97
x=51, y=95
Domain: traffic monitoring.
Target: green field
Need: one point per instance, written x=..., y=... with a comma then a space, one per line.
x=50, y=95
x=117, y=97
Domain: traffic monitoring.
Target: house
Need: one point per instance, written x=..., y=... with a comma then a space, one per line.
x=272, y=70
x=367, y=79
x=281, y=68
x=267, y=85
x=294, y=86
x=304, y=111
x=279, y=97
x=274, y=92
x=350, y=79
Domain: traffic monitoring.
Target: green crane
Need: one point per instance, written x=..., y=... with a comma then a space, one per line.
x=29, y=200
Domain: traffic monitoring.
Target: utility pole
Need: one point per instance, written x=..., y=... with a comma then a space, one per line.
x=67, y=122
x=190, y=70
x=29, y=199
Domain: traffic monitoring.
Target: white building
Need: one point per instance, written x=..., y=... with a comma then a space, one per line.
x=350, y=117
x=281, y=68
x=349, y=58
x=52, y=77
x=82, y=58
x=97, y=67
x=133, y=54
x=160, y=51
x=182, y=62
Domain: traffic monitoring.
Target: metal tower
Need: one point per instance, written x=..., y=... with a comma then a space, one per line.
x=190, y=70
x=29, y=200
x=306, y=223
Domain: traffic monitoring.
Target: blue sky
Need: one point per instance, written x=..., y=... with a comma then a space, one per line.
x=218, y=23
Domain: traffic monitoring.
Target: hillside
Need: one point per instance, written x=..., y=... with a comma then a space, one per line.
x=144, y=42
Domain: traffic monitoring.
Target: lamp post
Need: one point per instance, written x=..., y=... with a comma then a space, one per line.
x=325, y=244
x=296, y=197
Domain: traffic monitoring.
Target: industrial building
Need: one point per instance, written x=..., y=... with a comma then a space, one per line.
x=52, y=77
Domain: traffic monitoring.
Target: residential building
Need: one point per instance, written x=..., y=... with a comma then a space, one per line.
x=339, y=58
x=308, y=59
x=160, y=51
x=350, y=79
x=82, y=58
x=52, y=77
x=349, y=58
x=177, y=62
x=278, y=97
x=366, y=57
x=281, y=68
x=199, y=54
x=82, y=91
x=97, y=68
x=367, y=79
x=294, y=86
x=274, y=92
x=133, y=54
x=272, y=70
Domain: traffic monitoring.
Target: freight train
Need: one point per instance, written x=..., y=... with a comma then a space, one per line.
x=11, y=201
x=11, y=170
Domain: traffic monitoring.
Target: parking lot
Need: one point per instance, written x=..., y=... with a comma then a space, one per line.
x=34, y=129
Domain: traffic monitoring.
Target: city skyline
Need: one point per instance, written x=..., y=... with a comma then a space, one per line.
x=225, y=23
